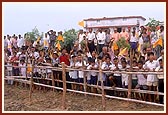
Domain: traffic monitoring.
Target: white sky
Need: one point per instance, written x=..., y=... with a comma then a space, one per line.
x=19, y=18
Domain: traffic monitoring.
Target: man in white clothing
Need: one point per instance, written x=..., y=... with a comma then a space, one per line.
x=80, y=38
x=79, y=65
x=152, y=79
x=90, y=39
x=101, y=36
x=20, y=41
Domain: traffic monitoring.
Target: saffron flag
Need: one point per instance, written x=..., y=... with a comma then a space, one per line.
x=38, y=39
x=60, y=38
x=158, y=42
x=29, y=69
x=46, y=43
x=122, y=52
x=139, y=47
x=58, y=45
x=81, y=23
x=115, y=46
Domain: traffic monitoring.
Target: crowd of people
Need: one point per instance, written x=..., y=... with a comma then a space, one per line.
x=92, y=51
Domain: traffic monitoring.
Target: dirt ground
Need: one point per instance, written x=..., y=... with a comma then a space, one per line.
x=16, y=98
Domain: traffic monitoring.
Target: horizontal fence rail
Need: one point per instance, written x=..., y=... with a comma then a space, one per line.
x=63, y=69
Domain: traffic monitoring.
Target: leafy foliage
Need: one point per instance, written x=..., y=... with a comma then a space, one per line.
x=69, y=38
x=33, y=35
x=122, y=43
x=153, y=23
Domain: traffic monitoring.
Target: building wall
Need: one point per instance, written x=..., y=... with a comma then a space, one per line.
x=114, y=22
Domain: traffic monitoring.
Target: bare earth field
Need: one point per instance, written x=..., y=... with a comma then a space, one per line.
x=16, y=98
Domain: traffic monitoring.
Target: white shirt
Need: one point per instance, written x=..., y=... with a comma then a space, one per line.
x=159, y=76
x=125, y=76
x=103, y=74
x=90, y=36
x=81, y=37
x=91, y=72
x=9, y=43
x=80, y=73
x=5, y=42
x=140, y=40
x=73, y=74
x=23, y=70
x=133, y=39
x=10, y=64
x=151, y=65
x=36, y=55
x=20, y=42
x=101, y=37
x=106, y=66
x=159, y=58
x=141, y=79
x=114, y=67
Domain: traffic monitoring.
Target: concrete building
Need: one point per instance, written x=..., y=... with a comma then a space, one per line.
x=111, y=23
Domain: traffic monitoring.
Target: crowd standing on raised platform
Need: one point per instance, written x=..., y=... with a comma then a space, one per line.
x=88, y=50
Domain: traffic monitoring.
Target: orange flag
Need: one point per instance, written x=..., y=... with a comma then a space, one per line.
x=81, y=23
x=58, y=45
x=115, y=46
x=29, y=69
x=158, y=42
x=60, y=38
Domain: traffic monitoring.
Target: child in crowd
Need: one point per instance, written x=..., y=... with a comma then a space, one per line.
x=23, y=67
x=80, y=64
x=152, y=80
x=92, y=74
x=73, y=74
x=142, y=81
x=161, y=81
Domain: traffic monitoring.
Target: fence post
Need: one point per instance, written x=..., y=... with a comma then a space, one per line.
x=130, y=76
x=102, y=85
x=84, y=76
x=26, y=64
x=52, y=76
x=64, y=85
x=31, y=81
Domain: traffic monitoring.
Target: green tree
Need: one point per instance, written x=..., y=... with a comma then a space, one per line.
x=33, y=35
x=153, y=23
x=69, y=38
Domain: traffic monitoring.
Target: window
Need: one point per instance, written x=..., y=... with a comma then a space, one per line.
x=98, y=21
x=124, y=19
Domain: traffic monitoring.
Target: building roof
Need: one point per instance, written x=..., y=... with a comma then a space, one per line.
x=111, y=26
x=109, y=18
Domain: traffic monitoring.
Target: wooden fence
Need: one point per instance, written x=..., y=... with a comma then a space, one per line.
x=64, y=69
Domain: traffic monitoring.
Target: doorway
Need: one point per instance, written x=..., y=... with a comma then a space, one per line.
x=119, y=29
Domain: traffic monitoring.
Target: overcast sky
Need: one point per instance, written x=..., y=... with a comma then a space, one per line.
x=19, y=18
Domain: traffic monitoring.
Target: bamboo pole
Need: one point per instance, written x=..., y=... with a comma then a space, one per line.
x=102, y=85
x=26, y=63
x=84, y=77
x=64, y=85
x=130, y=76
x=31, y=82
x=53, y=81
